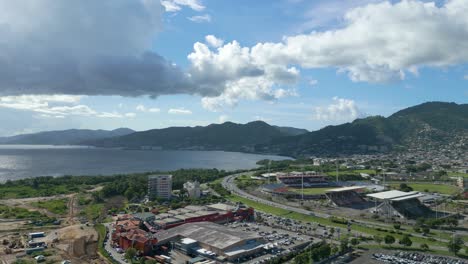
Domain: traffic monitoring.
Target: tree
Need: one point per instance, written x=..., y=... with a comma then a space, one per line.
x=424, y=247
x=406, y=241
x=455, y=244
x=354, y=241
x=396, y=226
x=405, y=188
x=389, y=239
x=378, y=239
x=344, y=245
x=426, y=230
x=130, y=253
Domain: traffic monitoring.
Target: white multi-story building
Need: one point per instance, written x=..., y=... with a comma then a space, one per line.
x=193, y=189
x=160, y=186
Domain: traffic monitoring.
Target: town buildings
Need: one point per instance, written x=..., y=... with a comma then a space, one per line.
x=142, y=230
x=193, y=189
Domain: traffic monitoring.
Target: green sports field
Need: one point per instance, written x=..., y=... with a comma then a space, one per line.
x=311, y=191
x=430, y=187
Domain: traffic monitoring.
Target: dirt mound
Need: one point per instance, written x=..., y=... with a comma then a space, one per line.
x=77, y=240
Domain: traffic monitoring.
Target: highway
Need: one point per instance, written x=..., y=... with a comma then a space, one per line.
x=229, y=184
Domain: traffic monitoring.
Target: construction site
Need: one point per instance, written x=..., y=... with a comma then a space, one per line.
x=43, y=235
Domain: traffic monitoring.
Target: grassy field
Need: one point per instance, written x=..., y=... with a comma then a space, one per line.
x=11, y=192
x=350, y=172
x=320, y=190
x=19, y=213
x=56, y=206
x=94, y=211
x=457, y=174
x=430, y=187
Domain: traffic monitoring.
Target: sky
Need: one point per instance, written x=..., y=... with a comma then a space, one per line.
x=147, y=64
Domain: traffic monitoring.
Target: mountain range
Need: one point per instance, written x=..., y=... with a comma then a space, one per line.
x=227, y=136
x=64, y=137
x=428, y=125
x=425, y=126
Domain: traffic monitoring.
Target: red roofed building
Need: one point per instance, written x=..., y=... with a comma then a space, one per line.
x=139, y=239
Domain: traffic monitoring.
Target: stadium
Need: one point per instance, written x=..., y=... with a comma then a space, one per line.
x=400, y=204
x=348, y=197
x=308, y=179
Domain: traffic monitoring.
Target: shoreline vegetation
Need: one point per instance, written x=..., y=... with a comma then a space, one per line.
x=132, y=186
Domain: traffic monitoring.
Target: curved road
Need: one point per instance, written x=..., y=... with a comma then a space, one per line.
x=229, y=184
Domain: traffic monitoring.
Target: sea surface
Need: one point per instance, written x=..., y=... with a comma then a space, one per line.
x=26, y=161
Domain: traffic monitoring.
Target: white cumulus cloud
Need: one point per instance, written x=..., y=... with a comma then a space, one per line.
x=214, y=41
x=143, y=108
x=340, y=109
x=377, y=43
x=232, y=72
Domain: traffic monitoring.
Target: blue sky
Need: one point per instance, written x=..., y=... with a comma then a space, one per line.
x=297, y=63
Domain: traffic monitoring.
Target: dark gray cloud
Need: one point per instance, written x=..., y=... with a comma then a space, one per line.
x=85, y=47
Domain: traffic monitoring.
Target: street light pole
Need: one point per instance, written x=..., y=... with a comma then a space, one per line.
x=337, y=171
x=302, y=183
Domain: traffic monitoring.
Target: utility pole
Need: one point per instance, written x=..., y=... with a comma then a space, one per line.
x=302, y=183
x=336, y=171
x=269, y=166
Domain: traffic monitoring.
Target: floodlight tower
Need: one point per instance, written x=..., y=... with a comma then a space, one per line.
x=268, y=175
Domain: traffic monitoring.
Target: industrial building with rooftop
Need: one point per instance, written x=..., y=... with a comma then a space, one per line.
x=147, y=231
x=209, y=239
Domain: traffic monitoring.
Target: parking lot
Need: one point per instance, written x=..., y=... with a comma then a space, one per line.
x=305, y=228
x=379, y=256
x=281, y=240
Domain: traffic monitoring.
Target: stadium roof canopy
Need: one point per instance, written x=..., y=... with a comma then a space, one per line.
x=391, y=195
x=408, y=197
x=344, y=189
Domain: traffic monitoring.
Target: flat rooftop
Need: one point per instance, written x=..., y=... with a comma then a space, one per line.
x=168, y=221
x=221, y=207
x=208, y=233
x=389, y=195
x=417, y=195
x=205, y=213
x=344, y=189
x=195, y=208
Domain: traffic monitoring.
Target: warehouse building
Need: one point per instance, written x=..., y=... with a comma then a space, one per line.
x=212, y=240
x=217, y=213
